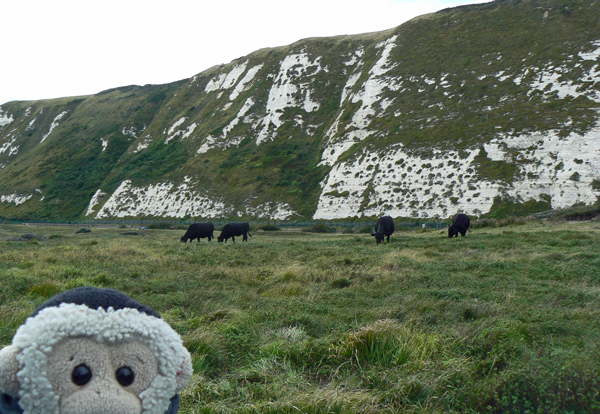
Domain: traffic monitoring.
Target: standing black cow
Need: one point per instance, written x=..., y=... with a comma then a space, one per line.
x=383, y=228
x=460, y=224
x=199, y=231
x=235, y=229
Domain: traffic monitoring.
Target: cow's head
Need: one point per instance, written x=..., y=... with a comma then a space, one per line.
x=184, y=239
x=220, y=239
x=378, y=237
x=452, y=231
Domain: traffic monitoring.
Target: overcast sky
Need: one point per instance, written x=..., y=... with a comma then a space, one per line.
x=58, y=48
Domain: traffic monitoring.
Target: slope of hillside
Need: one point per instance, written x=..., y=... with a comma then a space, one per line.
x=464, y=109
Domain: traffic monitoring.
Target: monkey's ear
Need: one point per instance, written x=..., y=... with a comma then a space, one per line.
x=185, y=373
x=9, y=366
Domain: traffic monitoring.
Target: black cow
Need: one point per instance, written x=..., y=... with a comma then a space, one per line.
x=460, y=224
x=235, y=229
x=383, y=228
x=199, y=231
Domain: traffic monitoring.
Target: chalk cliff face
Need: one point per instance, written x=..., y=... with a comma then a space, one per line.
x=459, y=110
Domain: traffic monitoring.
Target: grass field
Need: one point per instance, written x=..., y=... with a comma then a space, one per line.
x=505, y=320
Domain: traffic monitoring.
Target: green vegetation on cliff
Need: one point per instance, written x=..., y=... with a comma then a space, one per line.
x=452, y=80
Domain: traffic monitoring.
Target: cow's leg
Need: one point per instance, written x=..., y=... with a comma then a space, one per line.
x=233, y=239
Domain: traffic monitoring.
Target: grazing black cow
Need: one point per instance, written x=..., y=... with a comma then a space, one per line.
x=383, y=228
x=235, y=229
x=199, y=231
x=460, y=224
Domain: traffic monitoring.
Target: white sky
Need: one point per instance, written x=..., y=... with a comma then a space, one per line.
x=58, y=48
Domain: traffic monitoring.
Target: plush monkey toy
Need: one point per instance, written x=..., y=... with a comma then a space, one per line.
x=93, y=351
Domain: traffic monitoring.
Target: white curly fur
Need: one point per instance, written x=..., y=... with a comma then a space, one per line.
x=40, y=334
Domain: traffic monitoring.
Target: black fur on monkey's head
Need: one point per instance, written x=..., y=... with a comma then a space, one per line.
x=93, y=351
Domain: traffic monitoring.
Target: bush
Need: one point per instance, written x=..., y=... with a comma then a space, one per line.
x=270, y=227
x=320, y=228
x=366, y=230
x=160, y=226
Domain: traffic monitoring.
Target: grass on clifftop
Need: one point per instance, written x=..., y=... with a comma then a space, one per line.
x=505, y=320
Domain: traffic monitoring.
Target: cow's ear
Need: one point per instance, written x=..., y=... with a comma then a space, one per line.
x=9, y=366
x=373, y=234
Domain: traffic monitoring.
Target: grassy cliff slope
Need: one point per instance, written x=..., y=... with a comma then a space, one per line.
x=464, y=109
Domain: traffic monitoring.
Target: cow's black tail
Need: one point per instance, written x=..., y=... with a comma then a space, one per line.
x=249, y=234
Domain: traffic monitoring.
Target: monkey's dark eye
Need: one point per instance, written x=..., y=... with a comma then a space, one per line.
x=82, y=374
x=125, y=376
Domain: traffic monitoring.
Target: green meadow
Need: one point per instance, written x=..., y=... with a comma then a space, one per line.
x=505, y=320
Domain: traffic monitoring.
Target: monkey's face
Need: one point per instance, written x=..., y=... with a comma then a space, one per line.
x=95, y=378
x=71, y=359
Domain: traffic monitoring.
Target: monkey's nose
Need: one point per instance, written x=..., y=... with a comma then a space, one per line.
x=101, y=397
